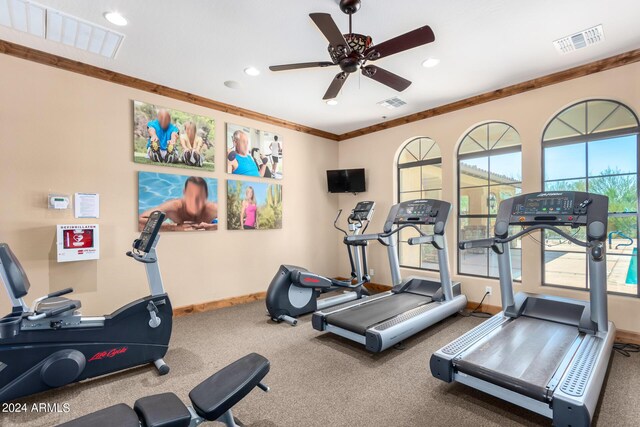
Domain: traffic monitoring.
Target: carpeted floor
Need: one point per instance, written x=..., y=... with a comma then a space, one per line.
x=323, y=380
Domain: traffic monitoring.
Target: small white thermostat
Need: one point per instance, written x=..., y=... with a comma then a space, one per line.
x=57, y=201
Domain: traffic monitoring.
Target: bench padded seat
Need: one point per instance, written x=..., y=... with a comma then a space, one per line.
x=162, y=410
x=221, y=391
x=117, y=415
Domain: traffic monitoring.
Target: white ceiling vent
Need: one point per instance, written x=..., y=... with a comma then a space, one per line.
x=392, y=103
x=580, y=40
x=59, y=27
x=23, y=16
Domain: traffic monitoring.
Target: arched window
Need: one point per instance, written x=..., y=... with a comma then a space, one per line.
x=489, y=171
x=419, y=177
x=593, y=146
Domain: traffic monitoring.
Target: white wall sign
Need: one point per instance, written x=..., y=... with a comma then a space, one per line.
x=78, y=242
x=87, y=205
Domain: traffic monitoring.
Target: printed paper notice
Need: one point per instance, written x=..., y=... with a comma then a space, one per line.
x=87, y=205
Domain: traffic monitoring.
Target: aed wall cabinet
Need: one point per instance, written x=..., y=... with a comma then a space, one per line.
x=78, y=242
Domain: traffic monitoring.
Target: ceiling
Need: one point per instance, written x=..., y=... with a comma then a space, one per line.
x=197, y=45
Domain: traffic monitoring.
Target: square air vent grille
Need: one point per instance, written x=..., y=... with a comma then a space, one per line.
x=392, y=103
x=580, y=40
x=59, y=27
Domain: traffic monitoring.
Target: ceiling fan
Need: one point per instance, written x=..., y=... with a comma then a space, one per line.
x=352, y=51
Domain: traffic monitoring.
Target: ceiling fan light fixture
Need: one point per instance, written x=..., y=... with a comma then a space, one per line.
x=332, y=102
x=252, y=71
x=430, y=62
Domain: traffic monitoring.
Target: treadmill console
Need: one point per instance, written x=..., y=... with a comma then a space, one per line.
x=363, y=211
x=558, y=208
x=420, y=212
x=150, y=231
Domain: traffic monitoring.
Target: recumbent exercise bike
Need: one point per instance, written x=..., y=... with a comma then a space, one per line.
x=50, y=344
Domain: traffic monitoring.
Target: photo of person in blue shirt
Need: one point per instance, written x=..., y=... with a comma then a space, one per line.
x=168, y=137
x=163, y=138
x=240, y=161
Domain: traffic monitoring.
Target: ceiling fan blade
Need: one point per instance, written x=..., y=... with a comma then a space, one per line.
x=328, y=26
x=336, y=85
x=385, y=77
x=415, y=38
x=300, y=65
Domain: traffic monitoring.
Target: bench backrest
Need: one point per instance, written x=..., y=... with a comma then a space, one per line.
x=12, y=273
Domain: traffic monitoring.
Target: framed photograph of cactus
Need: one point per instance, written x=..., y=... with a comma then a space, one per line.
x=166, y=137
x=253, y=205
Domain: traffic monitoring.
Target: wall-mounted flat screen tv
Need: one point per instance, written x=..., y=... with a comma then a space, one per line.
x=346, y=181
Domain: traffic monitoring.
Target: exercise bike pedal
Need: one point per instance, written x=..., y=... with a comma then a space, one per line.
x=154, y=320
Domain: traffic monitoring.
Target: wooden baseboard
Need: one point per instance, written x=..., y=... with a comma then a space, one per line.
x=377, y=287
x=629, y=337
x=485, y=308
x=214, y=305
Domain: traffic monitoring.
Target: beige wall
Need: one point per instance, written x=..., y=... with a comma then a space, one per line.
x=63, y=132
x=528, y=113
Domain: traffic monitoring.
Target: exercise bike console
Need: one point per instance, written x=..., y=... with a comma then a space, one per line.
x=363, y=211
x=144, y=244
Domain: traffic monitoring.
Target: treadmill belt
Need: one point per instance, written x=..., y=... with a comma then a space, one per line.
x=521, y=355
x=362, y=317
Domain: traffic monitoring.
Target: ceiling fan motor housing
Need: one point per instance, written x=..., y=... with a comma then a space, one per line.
x=349, y=6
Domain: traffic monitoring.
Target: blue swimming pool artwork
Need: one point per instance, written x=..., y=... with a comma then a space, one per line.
x=156, y=188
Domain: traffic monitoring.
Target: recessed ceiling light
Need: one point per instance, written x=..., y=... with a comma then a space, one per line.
x=251, y=71
x=232, y=84
x=332, y=102
x=430, y=62
x=115, y=18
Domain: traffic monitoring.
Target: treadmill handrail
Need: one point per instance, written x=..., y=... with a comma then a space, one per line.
x=553, y=228
x=361, y=238
x=421, y=239
x=492, y=242
x=381, y=236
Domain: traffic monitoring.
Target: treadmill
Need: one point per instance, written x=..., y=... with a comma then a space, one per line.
x=413, y=304
x=544, y=353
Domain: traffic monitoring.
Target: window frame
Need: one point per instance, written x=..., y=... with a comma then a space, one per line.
x=399, y=192
x=489, y=216
x=586, y=139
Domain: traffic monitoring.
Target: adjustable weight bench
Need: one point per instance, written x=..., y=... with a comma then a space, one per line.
x=211, y=400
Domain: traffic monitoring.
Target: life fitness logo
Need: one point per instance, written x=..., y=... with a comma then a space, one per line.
x=311, y=280
x=108, y=354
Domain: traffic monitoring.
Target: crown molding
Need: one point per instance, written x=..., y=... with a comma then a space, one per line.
x=23, y=52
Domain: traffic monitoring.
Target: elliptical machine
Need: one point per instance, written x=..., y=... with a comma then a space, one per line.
x=294, y=291
x=50, y=344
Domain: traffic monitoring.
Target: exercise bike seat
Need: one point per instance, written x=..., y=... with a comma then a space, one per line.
x=221, y=391
x=54, y=303
x=119, y=415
